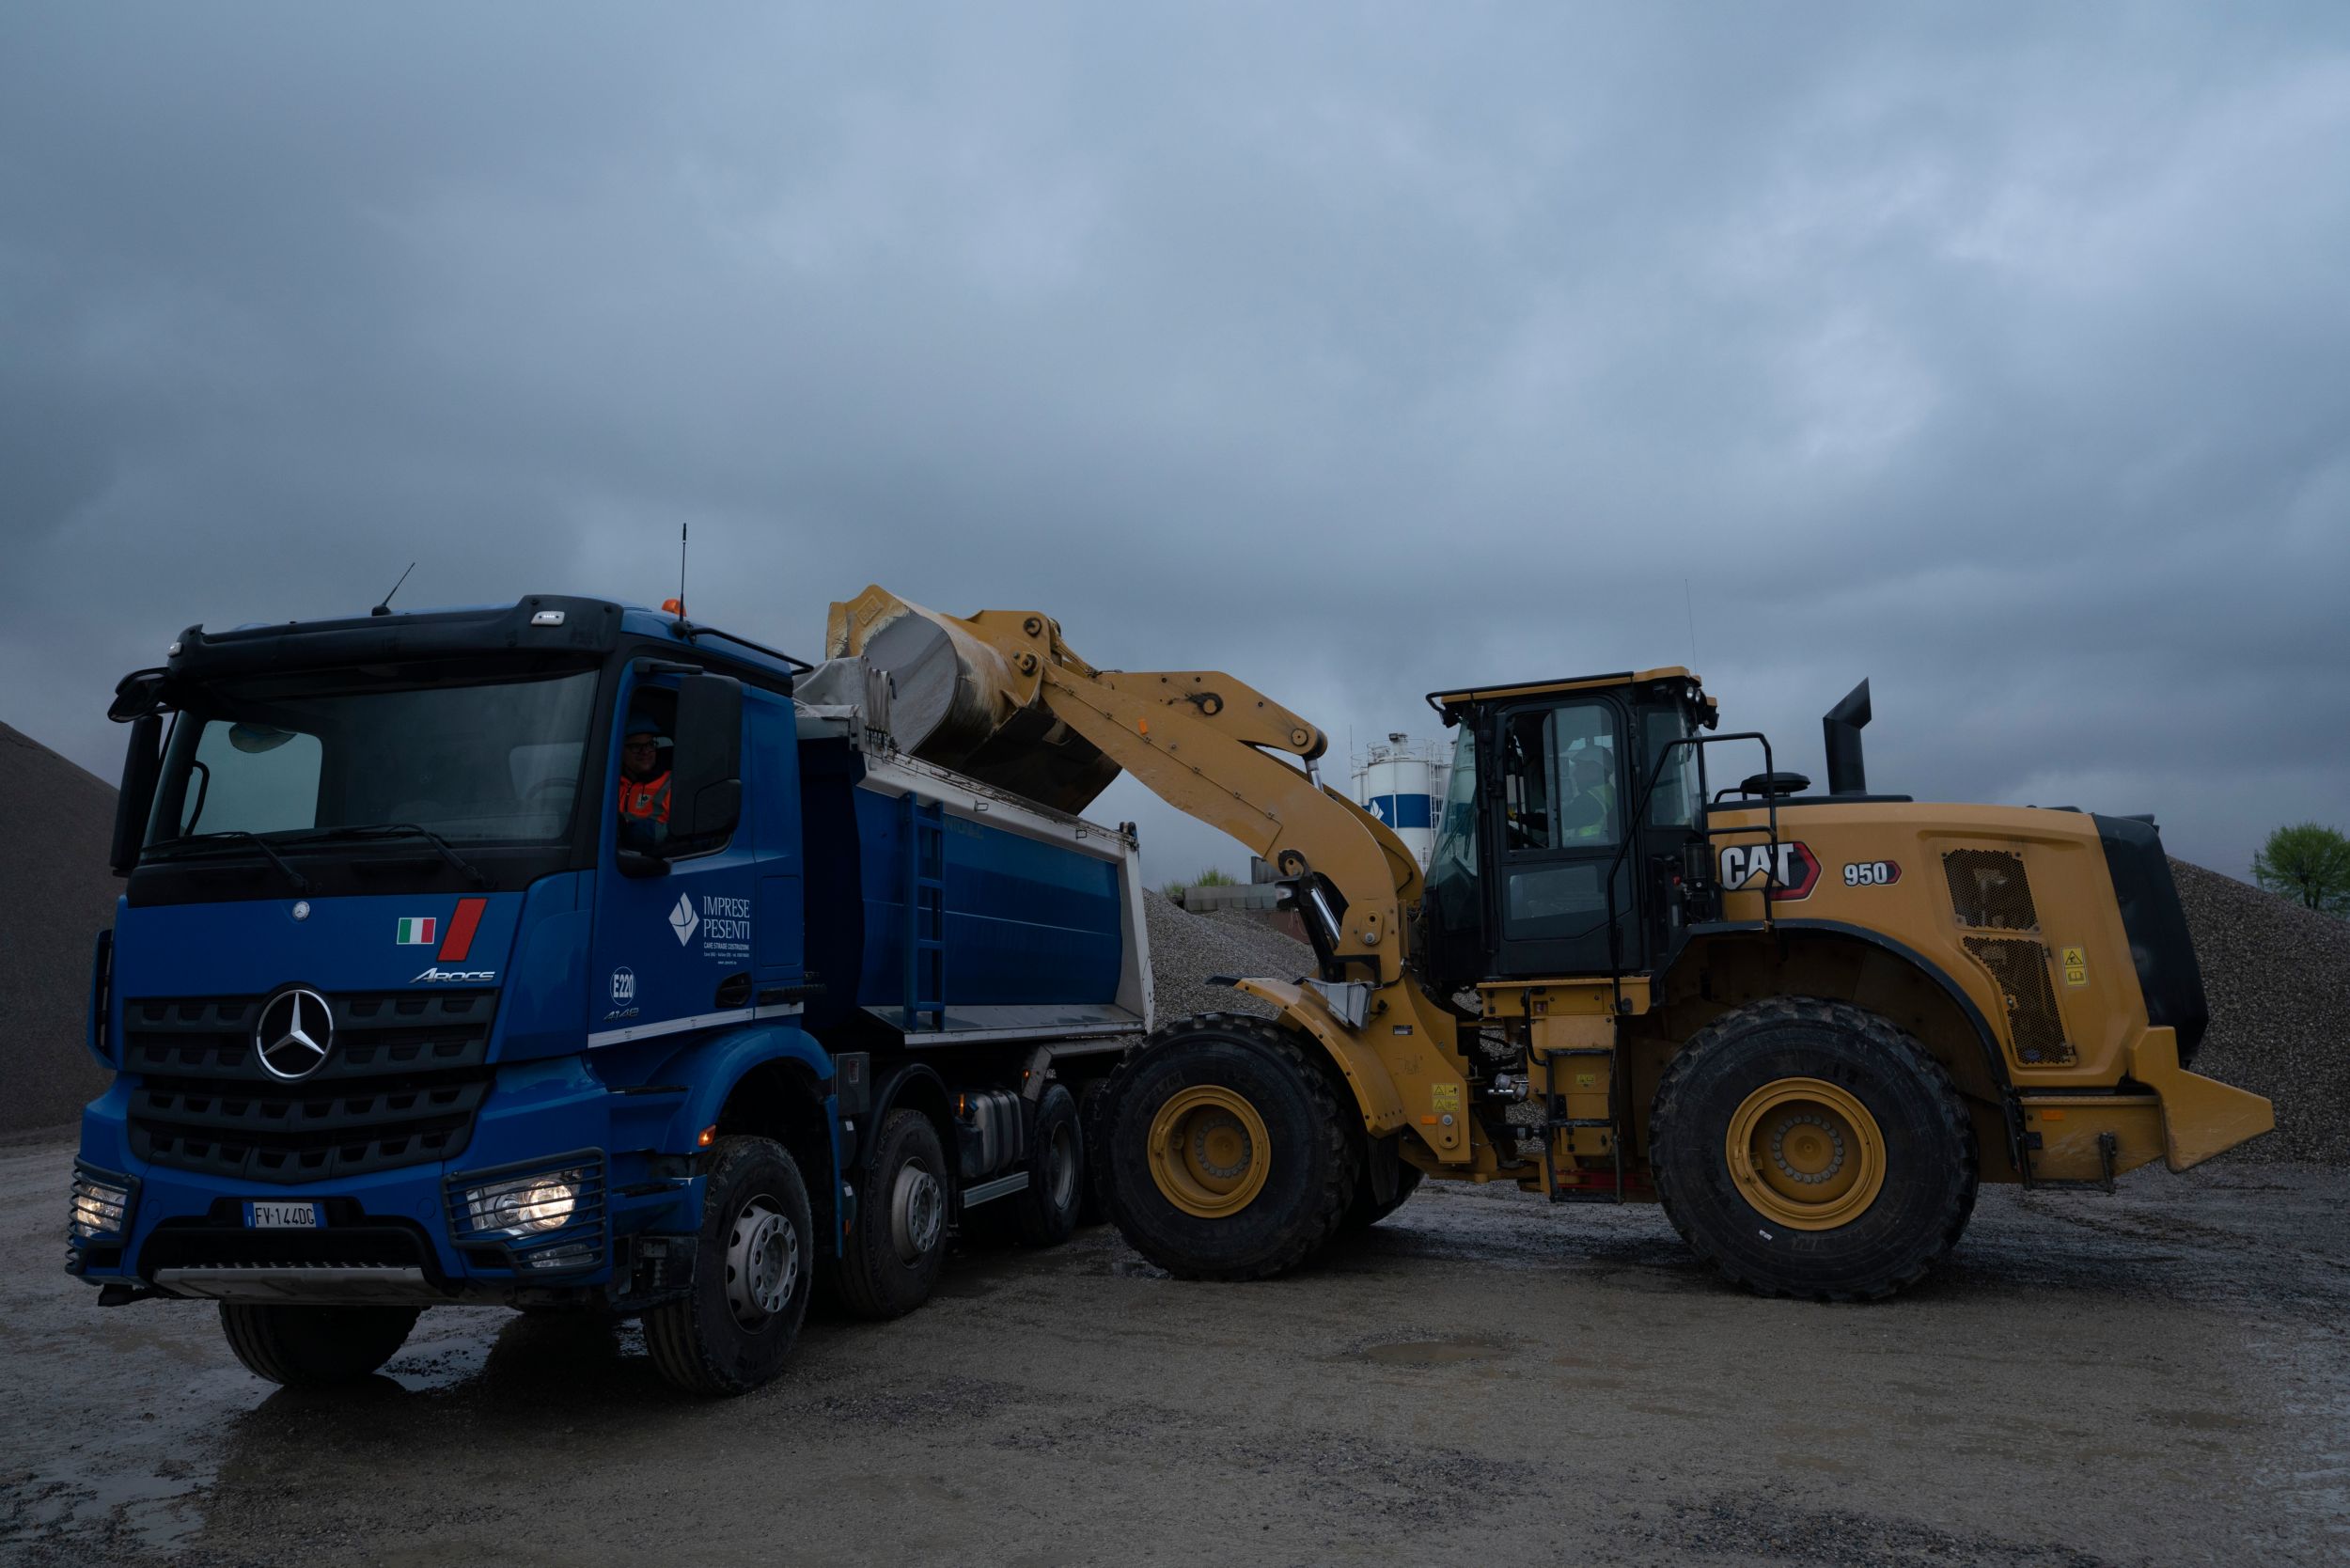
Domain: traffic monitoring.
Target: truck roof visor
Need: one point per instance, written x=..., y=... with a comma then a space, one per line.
x=964, y=704
x=1841, y=727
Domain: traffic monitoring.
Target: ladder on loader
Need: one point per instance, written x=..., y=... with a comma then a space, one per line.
x=1574, y=1066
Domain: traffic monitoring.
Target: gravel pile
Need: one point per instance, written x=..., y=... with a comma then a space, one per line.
x=1186, y=949
x=2278, y=979
x=56, y=896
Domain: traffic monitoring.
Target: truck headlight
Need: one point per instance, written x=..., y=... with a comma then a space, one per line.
x=99, y=1207
x=525, y=1205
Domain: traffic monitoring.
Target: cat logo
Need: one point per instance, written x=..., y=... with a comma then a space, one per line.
x=1795, y=870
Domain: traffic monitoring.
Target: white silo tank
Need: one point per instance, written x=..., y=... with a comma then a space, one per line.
x=1402, y=784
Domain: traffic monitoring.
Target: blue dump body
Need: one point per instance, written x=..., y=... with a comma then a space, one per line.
x=330, y=1065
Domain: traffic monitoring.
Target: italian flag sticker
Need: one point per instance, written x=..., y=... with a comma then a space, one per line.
x=416, y=932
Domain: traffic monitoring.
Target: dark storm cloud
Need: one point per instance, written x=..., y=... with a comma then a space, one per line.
x=1995, y=354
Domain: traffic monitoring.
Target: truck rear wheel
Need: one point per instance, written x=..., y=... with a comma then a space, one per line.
x=899, y=1241
x=1224, y=1157
x=1045, y=1212
x=1807, y=1148
x=299, y=1346
x=752, y=1269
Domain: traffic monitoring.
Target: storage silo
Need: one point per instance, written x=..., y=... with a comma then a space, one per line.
x=1403, y=783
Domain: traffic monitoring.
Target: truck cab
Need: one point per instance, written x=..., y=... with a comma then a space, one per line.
x=425, y=988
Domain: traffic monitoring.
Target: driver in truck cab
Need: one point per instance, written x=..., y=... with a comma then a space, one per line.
x=643, y=787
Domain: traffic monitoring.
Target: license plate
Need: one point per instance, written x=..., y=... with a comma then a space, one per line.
x=279, y=1217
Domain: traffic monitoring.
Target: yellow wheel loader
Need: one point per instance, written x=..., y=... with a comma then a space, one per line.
x=1808, y=1021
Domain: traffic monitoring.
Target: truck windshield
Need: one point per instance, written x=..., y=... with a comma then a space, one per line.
x=481, y=761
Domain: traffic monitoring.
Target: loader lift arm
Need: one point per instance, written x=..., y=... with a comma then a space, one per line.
x=1214, y=748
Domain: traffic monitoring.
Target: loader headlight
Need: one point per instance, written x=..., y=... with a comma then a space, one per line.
x=525, y=1205
x=99, y=1208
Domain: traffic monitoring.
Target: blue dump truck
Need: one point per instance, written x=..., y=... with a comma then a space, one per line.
x=420, y=991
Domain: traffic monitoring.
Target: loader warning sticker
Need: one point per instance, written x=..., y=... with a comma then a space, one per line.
x=1444, y=1097
x=2075, y=966
x=1791, y=869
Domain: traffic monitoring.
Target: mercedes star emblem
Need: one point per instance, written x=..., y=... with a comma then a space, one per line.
x=295, y=1028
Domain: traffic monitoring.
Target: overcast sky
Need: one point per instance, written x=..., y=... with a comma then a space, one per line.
x=1999, y=355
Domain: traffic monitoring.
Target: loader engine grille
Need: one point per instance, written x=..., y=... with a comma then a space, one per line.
x=1989, y=890
x=400, y=1086
x=2020, y=967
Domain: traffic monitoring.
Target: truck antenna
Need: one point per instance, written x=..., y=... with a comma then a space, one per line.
x=683, y=530
x=385, y=607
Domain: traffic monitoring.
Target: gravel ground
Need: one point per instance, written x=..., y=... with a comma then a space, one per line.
x=2278, y=979
x=2159, y=1377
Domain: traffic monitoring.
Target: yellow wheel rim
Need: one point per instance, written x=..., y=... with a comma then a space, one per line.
x=1805, y=1153
x=1209, y=1153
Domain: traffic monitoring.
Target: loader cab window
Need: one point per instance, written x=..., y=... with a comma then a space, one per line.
x=1558, y=811
x=1455, y=912
x=1559, y=780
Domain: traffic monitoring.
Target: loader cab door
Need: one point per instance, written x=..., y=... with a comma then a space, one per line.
x=1556, y=791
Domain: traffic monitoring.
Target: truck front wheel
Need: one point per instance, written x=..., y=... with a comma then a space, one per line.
x=1807, y=1148
x=752, y=1268
x=899, y=1241
x=299, y=1346
x=1223, y=1155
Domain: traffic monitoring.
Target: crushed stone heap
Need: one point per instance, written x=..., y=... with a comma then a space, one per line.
x=2278, y=979
x=56, y=896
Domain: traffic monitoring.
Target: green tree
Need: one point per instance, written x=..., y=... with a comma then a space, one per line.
x=2308, y=862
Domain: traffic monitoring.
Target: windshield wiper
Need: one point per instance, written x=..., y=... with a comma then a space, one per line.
x=400, y=830
x=234, y=836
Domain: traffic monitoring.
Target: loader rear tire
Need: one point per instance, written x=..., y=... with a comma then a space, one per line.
x=1223, y=1157
x=1807, y=1148
x=302, y=1346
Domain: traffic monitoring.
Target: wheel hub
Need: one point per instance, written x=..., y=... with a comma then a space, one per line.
x=917, y=1211
x=762, y=1262
x=1805, y=1153
x=1061, y=1166
x=1208, y=1152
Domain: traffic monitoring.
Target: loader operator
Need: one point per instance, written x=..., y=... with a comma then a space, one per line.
x=1591, y=813
x=644, y=788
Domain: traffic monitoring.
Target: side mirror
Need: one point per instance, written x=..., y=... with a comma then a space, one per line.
x=141, y=767
x=706, y=762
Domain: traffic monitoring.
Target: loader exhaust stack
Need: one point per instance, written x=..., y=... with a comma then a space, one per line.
x=1841, y=727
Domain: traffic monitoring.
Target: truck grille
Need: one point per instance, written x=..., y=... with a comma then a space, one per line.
x=400, y=1086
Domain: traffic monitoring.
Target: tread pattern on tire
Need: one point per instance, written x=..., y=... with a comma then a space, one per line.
x=672, y=1337
x=1953, y=1130
x=270, y=1341
x=1324, y=1212
x=853, y=1286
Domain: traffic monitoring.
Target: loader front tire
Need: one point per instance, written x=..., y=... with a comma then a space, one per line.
x=1222, y=1154
x=1807, y=1148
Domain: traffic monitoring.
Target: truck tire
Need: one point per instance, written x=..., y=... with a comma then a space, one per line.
x=1806, y=1148
x=899, y=1241
x=1092, y=1101
x=302, y=1346
x=1045, y=1212
x=1224, y=1156
x=1366, y=1211
x=752, y=1271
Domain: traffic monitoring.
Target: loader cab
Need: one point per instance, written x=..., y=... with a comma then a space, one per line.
x=1567, y=801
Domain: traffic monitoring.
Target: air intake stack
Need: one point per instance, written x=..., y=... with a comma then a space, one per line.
x=1841, y=729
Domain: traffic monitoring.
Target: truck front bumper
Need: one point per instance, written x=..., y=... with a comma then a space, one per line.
x=414, y=1234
